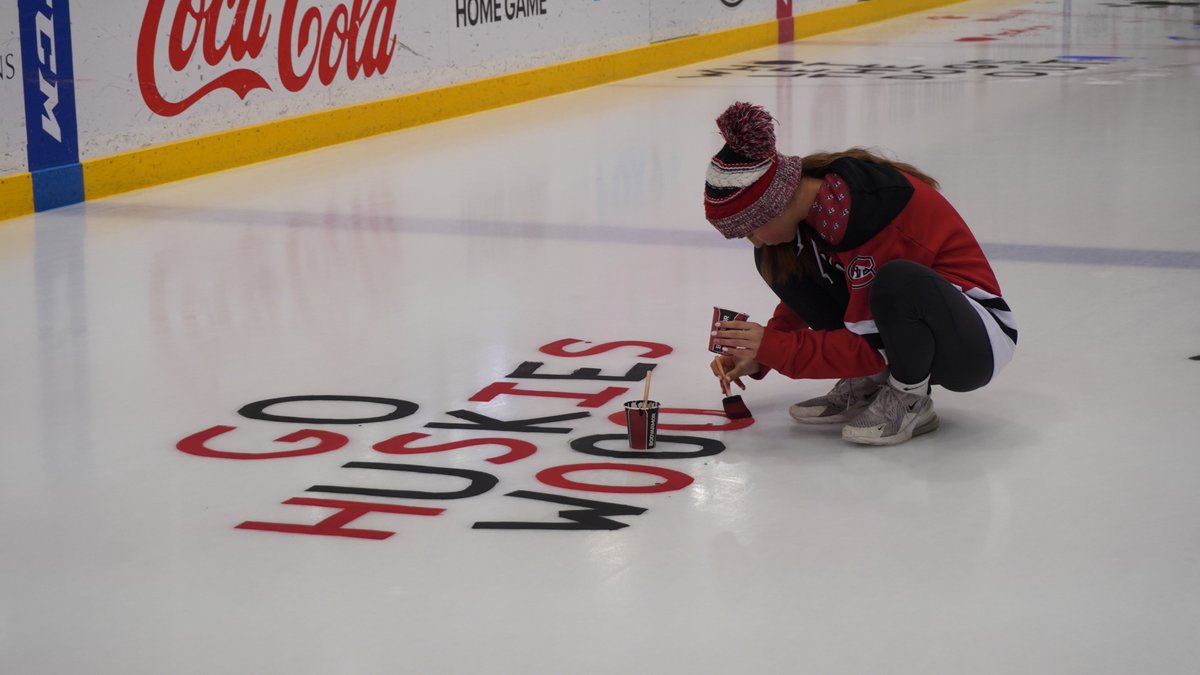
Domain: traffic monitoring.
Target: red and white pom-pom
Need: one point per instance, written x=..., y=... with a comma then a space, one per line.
x=748, y=129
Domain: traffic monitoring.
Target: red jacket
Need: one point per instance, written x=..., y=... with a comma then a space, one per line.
x=926, y=230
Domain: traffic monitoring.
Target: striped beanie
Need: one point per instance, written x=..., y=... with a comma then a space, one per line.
x=748, y=181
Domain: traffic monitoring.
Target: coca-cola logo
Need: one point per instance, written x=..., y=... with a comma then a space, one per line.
x=352, y=38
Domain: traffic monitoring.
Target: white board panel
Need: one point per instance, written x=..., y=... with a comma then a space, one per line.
x=13, y=158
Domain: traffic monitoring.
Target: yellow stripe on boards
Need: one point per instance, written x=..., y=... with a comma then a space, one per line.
x=228, y=149
x=16, y=195
x=860, y=13
x=239, y=147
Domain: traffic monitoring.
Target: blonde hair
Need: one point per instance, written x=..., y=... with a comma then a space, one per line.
x=779, y=262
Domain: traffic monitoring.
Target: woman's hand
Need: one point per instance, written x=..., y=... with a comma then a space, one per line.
x=742, y=365
x=741, y=338
x=728, y=369
x=734, y=363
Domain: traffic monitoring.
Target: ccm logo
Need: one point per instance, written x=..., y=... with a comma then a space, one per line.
x=45, y=54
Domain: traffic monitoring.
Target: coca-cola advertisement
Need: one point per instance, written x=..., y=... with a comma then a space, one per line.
x=312, y=46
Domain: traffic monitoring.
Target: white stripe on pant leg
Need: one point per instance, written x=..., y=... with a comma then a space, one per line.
x=1003, y=347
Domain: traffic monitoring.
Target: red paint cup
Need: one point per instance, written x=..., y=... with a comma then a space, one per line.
x=642, y=423
x=720, y=314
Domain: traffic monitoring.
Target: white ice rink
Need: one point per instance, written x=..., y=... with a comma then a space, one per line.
x=1052, y=524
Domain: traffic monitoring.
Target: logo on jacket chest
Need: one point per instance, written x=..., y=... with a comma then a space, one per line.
x=861, y=271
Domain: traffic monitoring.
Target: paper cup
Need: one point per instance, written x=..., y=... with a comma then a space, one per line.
x=720, y=314
x=642, y=423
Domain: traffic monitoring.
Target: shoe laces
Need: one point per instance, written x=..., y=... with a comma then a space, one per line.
x=842, y=392
x=888, y=405
x=850, y=390
x=890, y=401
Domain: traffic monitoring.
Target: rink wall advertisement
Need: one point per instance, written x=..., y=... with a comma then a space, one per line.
x=127, y=93
x=192, y=67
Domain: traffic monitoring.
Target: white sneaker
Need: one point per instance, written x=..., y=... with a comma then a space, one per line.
x=893, y=417
x=847, y=399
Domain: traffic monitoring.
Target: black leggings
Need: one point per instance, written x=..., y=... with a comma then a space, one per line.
x=927, y=326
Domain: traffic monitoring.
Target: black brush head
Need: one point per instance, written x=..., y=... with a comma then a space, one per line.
x=735, y=408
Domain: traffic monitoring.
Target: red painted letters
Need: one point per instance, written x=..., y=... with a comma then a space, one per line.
x=329, y=441
x=672, y=480
x=399, y=445
x=654, y=350
x=618, y=418
x=585, y=400
x=347, y=512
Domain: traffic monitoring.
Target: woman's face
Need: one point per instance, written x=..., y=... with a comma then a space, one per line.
x=780, y=229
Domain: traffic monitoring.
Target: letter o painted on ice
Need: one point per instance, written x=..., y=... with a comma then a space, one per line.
x=258, y=410
x=590, y=445
x=618, y=418
x=672, y=480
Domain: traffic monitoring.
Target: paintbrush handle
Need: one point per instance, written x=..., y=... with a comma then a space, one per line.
x=646, y=389
x=724, y=377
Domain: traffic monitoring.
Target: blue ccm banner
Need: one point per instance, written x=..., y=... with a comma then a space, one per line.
x=50, y=122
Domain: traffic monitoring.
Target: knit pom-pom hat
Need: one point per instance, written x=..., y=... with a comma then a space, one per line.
x=748, y=181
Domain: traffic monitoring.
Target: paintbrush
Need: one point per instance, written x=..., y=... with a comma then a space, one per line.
x=735, y=407
x=646, y=390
